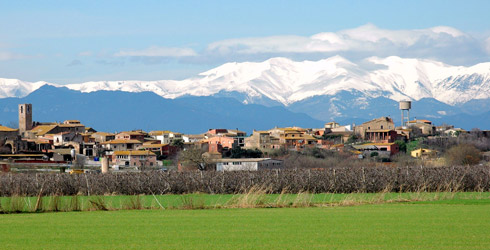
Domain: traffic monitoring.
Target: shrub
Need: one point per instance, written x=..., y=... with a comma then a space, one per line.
x=463, y=154
x=332, y=179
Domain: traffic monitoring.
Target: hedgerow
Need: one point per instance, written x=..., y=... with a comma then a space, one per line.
x=331, y=180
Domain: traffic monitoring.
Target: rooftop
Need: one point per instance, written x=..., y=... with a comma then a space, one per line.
x=7, y=129
x=134, y=152
x=242, y=160
x=121, y=141
x=43, y=129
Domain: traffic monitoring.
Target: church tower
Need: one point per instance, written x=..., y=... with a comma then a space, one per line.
x=25, y=117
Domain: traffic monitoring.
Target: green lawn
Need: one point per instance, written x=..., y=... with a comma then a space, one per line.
x=450, y=224
x=239, y=200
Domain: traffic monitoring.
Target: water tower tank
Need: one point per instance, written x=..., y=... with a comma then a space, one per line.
x=405, y=105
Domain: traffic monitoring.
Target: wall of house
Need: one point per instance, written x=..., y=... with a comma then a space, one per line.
x=270, y=164
x=376, y=124
x=237, y=166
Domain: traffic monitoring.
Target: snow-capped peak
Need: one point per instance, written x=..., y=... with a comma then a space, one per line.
x=287, y=81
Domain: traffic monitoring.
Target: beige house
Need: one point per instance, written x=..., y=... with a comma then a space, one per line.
x=122, y=145
x=103, y=137
x=425, y=126
x=131, y=135
x=423, y=153
x=65, y=137
x=261, y=140
x=134, y=158
x=379, y=126
x=54, y=128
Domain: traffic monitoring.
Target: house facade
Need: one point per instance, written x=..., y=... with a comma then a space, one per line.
x=103, y=137
x=134, y=158
x=261, y=140
x=377, y=130
x=383, y=149
x=165, y=137
x=122, y=145
x=247, y=164
x=425, y=126
x=218, y=143
x=131, y=135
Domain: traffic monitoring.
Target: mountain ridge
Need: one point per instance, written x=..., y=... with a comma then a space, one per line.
x=119, y=111
x=286, y=81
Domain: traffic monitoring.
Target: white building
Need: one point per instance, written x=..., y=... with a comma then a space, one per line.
x=247, y=164
x=165, y=137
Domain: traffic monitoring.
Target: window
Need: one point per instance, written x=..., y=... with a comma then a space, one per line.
x=381, y=126
x=21, y=109
x=369, y=127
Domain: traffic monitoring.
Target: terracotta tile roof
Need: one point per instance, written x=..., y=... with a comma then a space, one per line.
x=7, y=129
x=121, y=141
x=71, y=125
x=131, y=133
x=103, y=134
x=154, y=145
x=43, y=129
x=379, y=144
x=162, y=132
x=22, y=155
x=133, y=152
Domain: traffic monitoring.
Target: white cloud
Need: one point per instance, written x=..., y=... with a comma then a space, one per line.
x=85, y=53
x=155, y=51
x=364, y=38
x=487, y=45
x=5, y=56
x=442, y=42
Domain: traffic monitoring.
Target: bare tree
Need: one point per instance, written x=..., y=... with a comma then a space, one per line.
x=463, y=154
x=193, y=158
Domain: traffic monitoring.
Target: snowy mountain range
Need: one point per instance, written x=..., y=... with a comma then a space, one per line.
x=326, y=89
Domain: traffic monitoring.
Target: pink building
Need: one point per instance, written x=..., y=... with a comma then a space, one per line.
x=216, y=144
x=131, y=135
x=135, y=158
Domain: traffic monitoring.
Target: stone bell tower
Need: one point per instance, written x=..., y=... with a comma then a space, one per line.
x=25, y=117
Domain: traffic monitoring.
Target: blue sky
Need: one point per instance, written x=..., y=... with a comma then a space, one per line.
x=77, y=41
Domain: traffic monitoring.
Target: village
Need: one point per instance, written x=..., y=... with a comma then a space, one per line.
x=74, y=147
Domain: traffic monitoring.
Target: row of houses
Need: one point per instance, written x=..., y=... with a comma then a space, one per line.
x=138, y=148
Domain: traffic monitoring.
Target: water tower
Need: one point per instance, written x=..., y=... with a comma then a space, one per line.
x=405, y=107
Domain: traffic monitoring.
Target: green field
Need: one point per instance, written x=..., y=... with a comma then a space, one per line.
x=256, y=199
x=452, y=224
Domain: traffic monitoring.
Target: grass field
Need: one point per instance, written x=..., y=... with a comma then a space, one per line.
x=442, y=224
x=253, y=199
